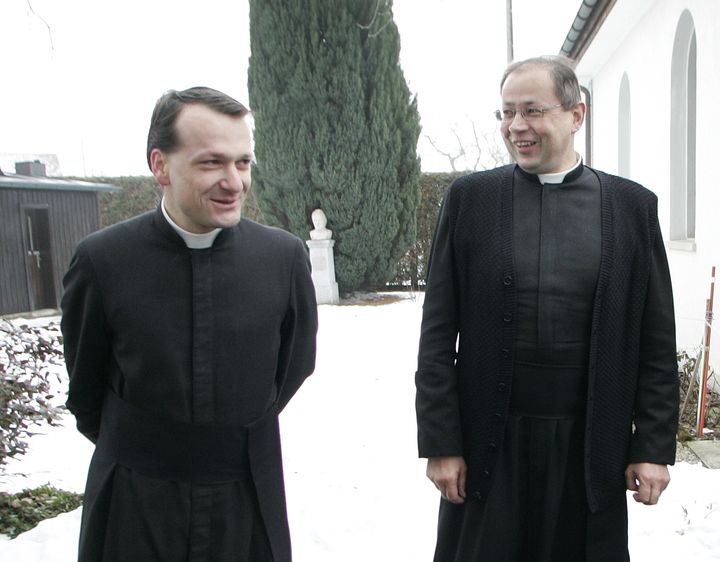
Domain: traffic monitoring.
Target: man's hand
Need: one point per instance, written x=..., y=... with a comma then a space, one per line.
x=448, y=475
x=648, y=480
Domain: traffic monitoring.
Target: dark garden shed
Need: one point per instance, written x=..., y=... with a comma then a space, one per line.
x=41, y=221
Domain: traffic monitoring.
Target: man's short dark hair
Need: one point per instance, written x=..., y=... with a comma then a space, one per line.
x=562, y=73
x=162, y=134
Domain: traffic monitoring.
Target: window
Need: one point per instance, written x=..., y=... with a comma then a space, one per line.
x=683, y=97
x=624, y=128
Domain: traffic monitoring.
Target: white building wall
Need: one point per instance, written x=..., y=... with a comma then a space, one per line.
x=638, y=38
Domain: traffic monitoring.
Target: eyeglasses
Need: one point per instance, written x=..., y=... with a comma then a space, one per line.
x=528, y=113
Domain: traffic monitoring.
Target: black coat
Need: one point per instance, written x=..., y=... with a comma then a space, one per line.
x=465, y=363
x=219, y=337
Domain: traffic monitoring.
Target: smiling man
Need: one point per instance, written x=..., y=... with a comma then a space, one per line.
x=187, y=330
x=547, y=378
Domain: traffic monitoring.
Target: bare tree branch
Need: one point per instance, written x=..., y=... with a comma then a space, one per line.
x=460, y=143
x=372, y=20
x=38, y=16
x=379, y=31
x=497, y=153
x=373, y=34
x=447, y=155
x=480, y=150
x=477, y=144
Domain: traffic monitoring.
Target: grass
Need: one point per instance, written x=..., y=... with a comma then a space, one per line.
x=22, y=511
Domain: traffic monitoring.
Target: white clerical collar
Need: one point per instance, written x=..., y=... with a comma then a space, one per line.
x=558, y=177
x=192, y=240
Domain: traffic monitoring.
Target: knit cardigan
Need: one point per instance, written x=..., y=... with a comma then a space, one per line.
x=467, y=342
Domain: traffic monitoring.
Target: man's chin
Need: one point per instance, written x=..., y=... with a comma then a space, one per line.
x=529, y=166
x=227, y=220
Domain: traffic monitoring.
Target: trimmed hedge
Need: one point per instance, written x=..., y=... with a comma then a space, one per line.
x=412, y=268
x=141, y=193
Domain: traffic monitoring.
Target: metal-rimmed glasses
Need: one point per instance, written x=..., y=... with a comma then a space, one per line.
x=528, y=113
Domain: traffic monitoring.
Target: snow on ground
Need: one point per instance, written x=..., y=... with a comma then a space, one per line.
x=356, y=491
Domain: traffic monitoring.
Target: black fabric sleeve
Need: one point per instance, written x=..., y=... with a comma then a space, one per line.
x=86, y=344
x=436, y=401
x=657, y=397
x=296, y=359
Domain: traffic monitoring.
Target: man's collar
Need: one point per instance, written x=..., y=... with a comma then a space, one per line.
x=192, y=240
x=559, y=177
x=555, y=178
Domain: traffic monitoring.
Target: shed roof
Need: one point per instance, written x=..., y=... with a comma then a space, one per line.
x=14, y=181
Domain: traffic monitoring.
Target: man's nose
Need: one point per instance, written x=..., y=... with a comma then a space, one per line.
x=233, y=179
x=518, y=122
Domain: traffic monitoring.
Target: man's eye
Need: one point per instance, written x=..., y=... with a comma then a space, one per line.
x=533, y=111
x=508, y=113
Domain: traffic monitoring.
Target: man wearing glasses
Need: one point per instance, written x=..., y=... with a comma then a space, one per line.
x=547, y=377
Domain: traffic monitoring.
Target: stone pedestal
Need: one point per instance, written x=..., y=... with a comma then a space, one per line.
x=323, y=271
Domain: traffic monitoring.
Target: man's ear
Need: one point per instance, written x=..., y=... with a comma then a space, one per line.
x=159, y=167
x=578, y=114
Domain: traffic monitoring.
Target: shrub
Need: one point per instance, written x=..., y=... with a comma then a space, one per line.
x=689, y=378
x=336, y=128
x=29, y=356
x=138, y=194
x=21, y=512
x=412, y=267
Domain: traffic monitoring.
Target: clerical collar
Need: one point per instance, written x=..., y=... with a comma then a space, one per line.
x=192, y=240
x=558, y=177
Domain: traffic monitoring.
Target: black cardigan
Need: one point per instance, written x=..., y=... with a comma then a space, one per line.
x=465, y=362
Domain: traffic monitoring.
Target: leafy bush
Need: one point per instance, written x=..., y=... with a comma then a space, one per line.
x=29, y=356
x=21, y=512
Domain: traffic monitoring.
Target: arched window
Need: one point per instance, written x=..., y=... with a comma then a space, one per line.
x=624, y=128
x=682, y=131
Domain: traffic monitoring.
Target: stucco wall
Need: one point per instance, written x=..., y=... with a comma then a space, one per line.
x=641, y=45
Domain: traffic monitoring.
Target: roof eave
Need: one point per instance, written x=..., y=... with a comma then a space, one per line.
x=587, y=23
x=13, y=181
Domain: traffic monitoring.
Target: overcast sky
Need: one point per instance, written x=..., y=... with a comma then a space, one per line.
x=84, y=88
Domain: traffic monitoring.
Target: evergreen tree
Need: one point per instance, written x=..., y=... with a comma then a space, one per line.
x=335, y=128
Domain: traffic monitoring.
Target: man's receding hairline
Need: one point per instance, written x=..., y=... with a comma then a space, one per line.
x=529, y=67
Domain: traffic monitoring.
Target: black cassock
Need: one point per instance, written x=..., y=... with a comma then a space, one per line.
x=536, y=510
x=180, y=361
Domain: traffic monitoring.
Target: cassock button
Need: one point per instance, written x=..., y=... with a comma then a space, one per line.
x=492, y=446
x=486, y=473
x=497, y=416
x=505, y=352
x=507, y=280
x=501, y=387
x=477, y=495
x=507, y=317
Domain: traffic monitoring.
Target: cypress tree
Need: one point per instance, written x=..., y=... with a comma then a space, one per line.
x=335, y=128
